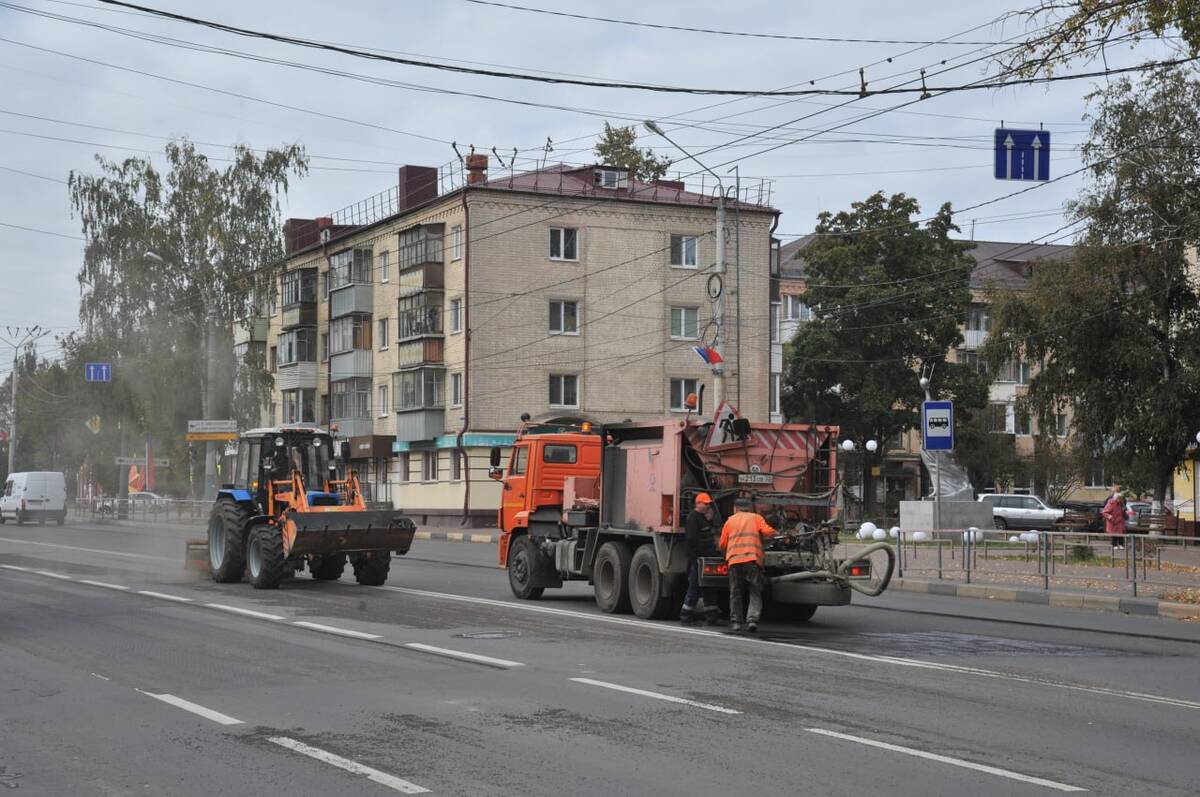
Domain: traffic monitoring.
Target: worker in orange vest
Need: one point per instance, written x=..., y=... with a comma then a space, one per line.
x=741, y=540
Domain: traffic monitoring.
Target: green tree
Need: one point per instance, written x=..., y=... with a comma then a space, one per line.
x=888, y=296
x=1083, y=30
x=171, y=262
x=1117, y=329
x=617, y=146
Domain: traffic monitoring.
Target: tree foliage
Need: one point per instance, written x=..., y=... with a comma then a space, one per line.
x=1117, y=329
x=1083, y=30
x=888, y=297
x=617, y=146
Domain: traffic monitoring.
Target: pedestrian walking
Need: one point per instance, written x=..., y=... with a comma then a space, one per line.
x=1114, y=517
x=700, y=539
x=741, y=540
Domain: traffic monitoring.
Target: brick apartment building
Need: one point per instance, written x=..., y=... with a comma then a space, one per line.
x=425, y=321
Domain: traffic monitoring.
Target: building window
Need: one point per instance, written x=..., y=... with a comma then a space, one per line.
x=1024, y=423
x=349, y=332
x=998, y=418
x=385, y=271
x=300, y=287
x=455, y=316
x=324, y=346
x=564, y=391
x=680, y=390
x=456, y=397
x=382, y=324
x=1060, y=424
x=299, y=406
x=351, y=267
x=973, y=360
x=419, y=315
x=418, y=389
x=273, y=359
x=774, y=390
x=773, y=320
x=352, y=398
x=456, y=464
x=421, y=245
x=456, y=243
x=383, y=400
x=297, y=346
x=324, y=284
x=564, y=318
x=564, y=243
x=272, y=414
x=1021, y=372
x=611, y=178
x=979, y=319
x=403, y=474
x=1096, y=476
x=429, y=463
x=683, y=251
x=325, y=415
x=685, y=323
x=795, y=309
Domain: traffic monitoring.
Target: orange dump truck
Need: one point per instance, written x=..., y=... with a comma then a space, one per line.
x=607, y=505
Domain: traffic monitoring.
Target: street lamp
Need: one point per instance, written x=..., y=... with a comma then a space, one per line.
x=719, y=308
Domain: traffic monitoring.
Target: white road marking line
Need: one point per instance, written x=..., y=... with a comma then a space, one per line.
x=187, y=705
x=247, y=612
x=656, y=695
x=743, y=640
x=382, y=778
x=957, y=762
x=101, y=677
x=104, y=584
x=164, y=596
x=15, y=567
x=463, y=655
x=329, y=629
x=54, y=575
x=90, y=550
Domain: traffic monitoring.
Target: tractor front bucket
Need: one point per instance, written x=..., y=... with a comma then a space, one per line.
x=341, y=531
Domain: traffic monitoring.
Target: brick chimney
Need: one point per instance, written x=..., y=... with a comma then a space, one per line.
x=477, y=166
x=418, y=185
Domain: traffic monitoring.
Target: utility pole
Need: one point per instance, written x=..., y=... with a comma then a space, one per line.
x=19, y=338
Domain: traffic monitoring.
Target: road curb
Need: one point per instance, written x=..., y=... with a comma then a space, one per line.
x=1144, y=607
x=456, y=536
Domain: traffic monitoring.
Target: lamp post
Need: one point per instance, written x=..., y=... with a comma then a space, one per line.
x=871, y=446
x=719, y=302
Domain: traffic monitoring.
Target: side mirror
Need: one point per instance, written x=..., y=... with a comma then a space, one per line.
x=495, y=473
x=495, y=461
x=344, y=451
x=266, y=463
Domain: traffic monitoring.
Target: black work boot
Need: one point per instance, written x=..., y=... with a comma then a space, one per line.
x=687, y=616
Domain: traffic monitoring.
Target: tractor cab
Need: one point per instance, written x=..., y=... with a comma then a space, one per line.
x=270, y=456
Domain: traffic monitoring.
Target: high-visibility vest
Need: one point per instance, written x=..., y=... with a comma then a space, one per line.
x=742, y=536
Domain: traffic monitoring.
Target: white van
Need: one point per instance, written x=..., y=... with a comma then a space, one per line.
x=40, y=496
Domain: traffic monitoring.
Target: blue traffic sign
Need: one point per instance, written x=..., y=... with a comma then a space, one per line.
x=937, y=425
x=97, y=372
x=1022, y=154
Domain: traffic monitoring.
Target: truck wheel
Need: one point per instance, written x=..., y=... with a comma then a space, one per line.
x=227, y=541
x=371, y=568
x=522, y=559
x=264, y=557
x=610, y=577
x=327, y=568
x=646, y=586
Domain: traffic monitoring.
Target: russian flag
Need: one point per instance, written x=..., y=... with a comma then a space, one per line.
x=708, y=354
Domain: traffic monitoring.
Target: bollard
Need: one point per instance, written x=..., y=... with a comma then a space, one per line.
x=939, y=544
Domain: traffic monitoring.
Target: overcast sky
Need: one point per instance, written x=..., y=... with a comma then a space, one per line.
x=948, y=157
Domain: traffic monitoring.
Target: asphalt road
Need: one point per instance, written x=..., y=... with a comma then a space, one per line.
x=149, y=680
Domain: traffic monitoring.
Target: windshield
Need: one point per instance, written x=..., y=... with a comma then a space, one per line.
x=311, y=456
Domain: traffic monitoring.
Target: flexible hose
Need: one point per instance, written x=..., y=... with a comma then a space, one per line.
x=841, y=573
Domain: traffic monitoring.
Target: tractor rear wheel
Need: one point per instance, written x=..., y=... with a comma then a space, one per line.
x=371, y=567
x=227, y=541
x=327, y=568
x=264, y=557
x=610, y=577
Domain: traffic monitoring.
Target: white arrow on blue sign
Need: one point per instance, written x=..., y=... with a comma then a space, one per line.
x=97, y=372
x=1022, y=154
x=937, y=425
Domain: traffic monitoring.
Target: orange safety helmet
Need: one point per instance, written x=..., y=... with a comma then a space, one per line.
x=703, y=498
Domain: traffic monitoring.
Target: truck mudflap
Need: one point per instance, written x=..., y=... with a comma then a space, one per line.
x=347, y=531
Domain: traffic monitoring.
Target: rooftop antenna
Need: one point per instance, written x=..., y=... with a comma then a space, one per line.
x=498, y=158
x=546, y=150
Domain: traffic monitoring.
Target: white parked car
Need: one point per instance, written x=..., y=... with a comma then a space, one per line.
x=38, y=495
x=1011, y=511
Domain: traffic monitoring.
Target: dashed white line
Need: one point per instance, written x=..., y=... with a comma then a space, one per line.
x=195, y=708
x=656, y=695
x=329, y=629
x=15, y=567
x=163, y=595
x=372, y=774
x=89, y=550
x=101, y=677
x=104, y=584
x=247, y=612
x=942, y=759
x=60, y=576
x=464, y=656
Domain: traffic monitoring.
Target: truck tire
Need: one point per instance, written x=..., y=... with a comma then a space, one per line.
x=227, y=541
x=646, y=586
x=264, y=557
x=521, y=563
x=371, y=568
x=327, y=568
x=610, y=577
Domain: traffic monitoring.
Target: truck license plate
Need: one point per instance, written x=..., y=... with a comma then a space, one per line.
x=755, y=478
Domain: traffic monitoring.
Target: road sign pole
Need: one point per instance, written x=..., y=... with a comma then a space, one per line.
x=12, y=427
x=937, y=491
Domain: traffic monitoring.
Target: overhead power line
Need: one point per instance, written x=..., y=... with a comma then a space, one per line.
x=610, y=84
x=43, y=232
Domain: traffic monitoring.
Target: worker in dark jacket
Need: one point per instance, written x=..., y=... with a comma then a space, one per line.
x=700, y=539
